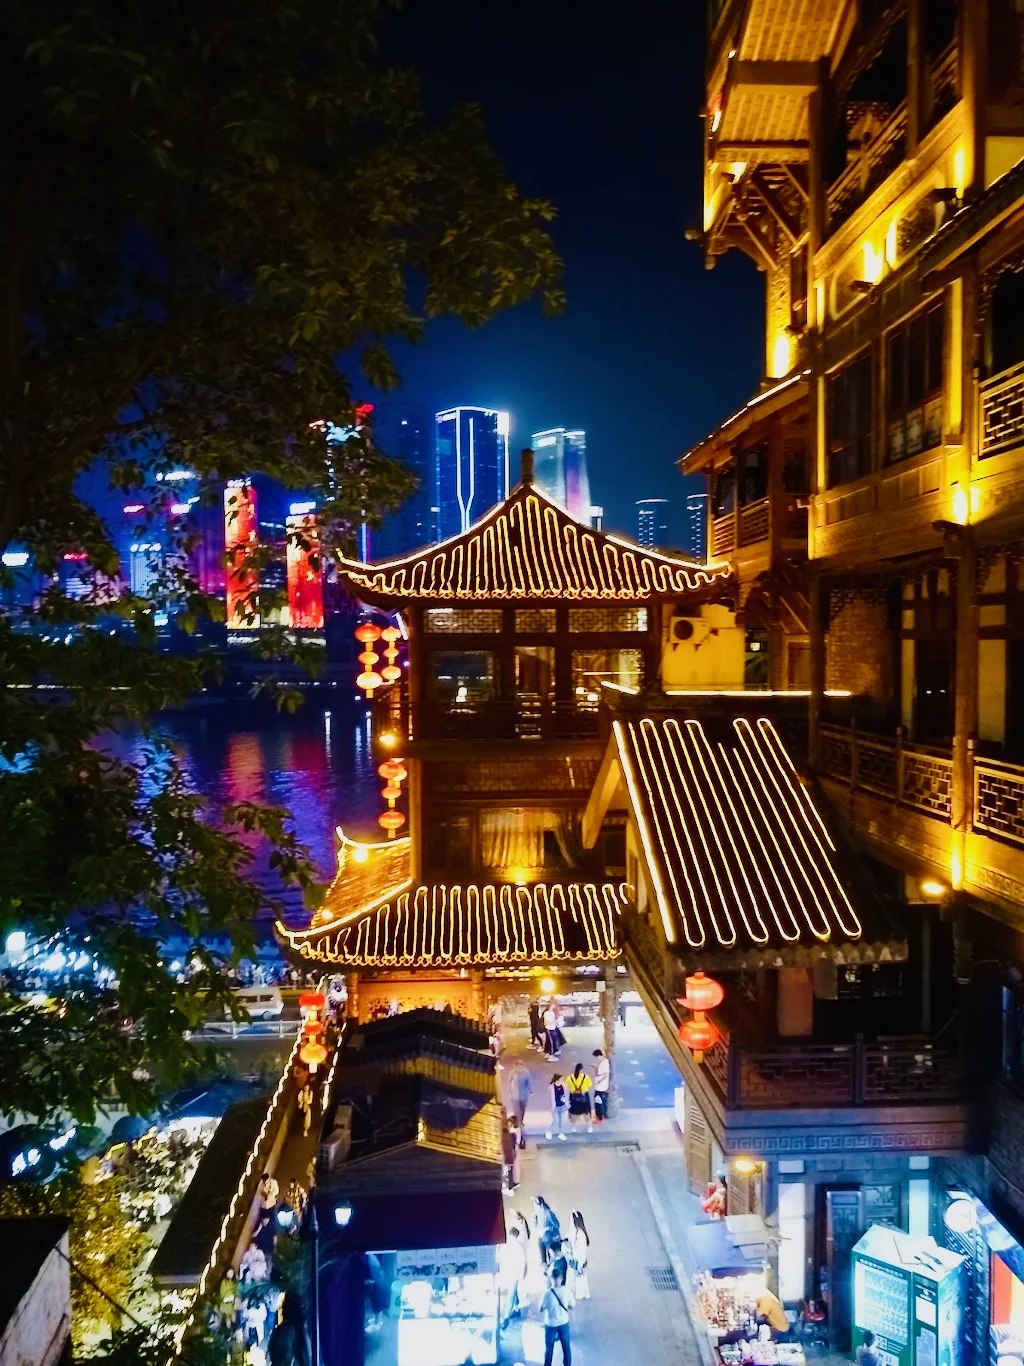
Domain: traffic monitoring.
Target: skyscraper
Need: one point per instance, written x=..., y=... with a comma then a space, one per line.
x=402, y=431
x=652, y=522
x=696, y=524
x=470, y=466
x=560, y=463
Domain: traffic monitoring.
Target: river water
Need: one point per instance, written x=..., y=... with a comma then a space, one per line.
x=317, y=763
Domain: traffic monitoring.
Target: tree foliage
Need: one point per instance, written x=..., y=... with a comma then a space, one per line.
x=216, y=215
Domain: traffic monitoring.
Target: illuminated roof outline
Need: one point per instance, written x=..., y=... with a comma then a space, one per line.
x=528, y=547
x=369, y=872
x=738, y=854
x=459, y=925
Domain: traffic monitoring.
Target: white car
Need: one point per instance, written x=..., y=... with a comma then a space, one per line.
x=262, y=1003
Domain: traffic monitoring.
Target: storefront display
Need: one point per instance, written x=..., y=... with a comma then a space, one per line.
x=910, y=1293
x=729, y=1307
x=432, y=1307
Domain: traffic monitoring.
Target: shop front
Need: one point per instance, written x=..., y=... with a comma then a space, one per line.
x=911, y=1294
x=993, y=1328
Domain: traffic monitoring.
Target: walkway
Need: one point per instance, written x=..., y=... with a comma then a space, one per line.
x=638, y=1313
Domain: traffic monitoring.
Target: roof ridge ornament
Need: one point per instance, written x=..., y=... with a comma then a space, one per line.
x=526, y=466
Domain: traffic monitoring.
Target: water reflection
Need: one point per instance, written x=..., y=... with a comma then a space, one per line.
x=318, y=763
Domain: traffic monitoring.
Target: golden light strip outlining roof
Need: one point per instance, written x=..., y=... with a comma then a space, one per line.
x=528, y=547
x=458, y=925
x=735, y=846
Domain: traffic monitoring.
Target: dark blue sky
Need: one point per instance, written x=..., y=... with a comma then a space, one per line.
x=594, y=107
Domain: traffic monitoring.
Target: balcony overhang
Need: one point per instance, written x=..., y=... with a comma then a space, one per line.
x=778, y=398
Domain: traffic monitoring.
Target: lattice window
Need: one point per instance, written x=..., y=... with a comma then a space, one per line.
x=458, y=620
x=607, y=619
x=999, y=803
x=927, y=783
x=531, y=619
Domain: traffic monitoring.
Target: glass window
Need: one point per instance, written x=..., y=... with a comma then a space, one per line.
x=607, y=619
x=530, y=620
x=454, y=620
x=449, y=842
x=535, y=670
x=849, y=417
x=723, y=491
x=591, y=668
x=463, y=677
x=914, y=364
x=753, y=474
x=521, y=842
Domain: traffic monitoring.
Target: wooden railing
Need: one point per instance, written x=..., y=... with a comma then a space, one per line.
x=912, y=775
x=1002, y=411
x=867, y=171
x=754, y=522
x=999, y=800
x=943, y=89
x=526, y=717
x=723, y=534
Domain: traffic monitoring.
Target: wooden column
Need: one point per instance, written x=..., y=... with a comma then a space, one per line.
x=609, y=1021
x=817, y=627
x=352, y=1004
x=476, y=977
x=965, y=729
x=915, y=75
x=973, y=36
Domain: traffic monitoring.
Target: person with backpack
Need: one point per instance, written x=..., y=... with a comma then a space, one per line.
x=555, y=1309
x=547, y=1228
x=580, y=1089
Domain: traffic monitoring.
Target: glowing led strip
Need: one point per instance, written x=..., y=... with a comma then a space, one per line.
x=516, y=551
x=472, y=923
x=695, y=744
x=792, y=805
x=781, y=757
x=625, y=759
x=661, y=816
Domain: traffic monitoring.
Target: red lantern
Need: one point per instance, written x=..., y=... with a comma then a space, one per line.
x=312, y=1000
x=393, y=770
x=703, y=993
x=391, y=673
x=313, y=1054
x=311, y=1029
x=368, y=681
x=368, y=657
x=390, y=633
x=391, y=793
x=391, y=821
x=698, y=1036
x=367, y=632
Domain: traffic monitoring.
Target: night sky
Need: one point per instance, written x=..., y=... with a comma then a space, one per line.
x=595, y=108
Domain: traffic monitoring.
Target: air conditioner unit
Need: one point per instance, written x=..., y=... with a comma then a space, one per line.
x=334, y=1149
x=688, y=631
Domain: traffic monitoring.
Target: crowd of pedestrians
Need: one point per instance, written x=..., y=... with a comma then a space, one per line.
x=545, y=1270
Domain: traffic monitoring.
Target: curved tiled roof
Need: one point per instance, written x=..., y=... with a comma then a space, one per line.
x=738, y=852
x=438, y=926
x=529, y=547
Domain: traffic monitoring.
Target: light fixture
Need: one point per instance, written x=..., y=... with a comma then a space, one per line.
x=342, y=1214
x=360, y=853
x=932, y=888
x=745, y=1165
x=388, y=739
x=547, y=985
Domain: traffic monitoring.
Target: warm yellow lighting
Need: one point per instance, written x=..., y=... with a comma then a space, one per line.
x=527, y=547
x=932, y=887
x=961, y=505
x=388, y=740
x=745, y=1165
x=819, y=302
x=956, y=871
x=520, y=876
x=959, y=173
x=890, y=244
x=360, y=853
x=781, y=356
x=547, y=985
x=872, y=264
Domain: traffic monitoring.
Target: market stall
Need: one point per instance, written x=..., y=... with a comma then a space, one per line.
x=745, y=1322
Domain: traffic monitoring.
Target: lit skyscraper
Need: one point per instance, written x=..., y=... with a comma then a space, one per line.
x=560, y=465
x=470, y=466
x=402, y=431
x=697, y=524
x=652, y=522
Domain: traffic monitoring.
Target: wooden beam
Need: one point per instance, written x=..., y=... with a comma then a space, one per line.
x=796, y=179
x=794, y=76
x=754, y=150
x=791, y=229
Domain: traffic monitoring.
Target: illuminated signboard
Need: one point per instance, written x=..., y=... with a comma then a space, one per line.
x=240, y=537
x=305, y=577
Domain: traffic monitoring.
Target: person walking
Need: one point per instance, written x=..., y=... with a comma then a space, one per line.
x=512, y=1274
x=602, y=1085
x=551, y=1044
x=536, y=1025
x=580, y=1089
x=305, y=1100
x=270, y=1192
x=554, y=1315
x=580, y=1256
x=556, y=1093
x=510, y=1154
x=520, y=1085
x=547, y=1228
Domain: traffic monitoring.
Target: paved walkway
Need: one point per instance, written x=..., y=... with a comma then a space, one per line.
x=628, y=1320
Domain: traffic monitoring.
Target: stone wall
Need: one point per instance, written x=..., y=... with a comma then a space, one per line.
x=858, y=648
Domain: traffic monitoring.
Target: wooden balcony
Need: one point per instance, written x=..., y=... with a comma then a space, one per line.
x=799, y=1096
x=867, y=171
x=751, y=525
x=898, y=799
x=526, y=717
x=1002, y=411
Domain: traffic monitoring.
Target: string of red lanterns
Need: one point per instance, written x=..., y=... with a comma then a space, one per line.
x=391, y=673
x=312, y=1052
x=369, y=679
x=703, y=993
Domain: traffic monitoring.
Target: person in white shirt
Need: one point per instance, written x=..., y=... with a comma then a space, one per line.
x=602, y=1085
x=554, y=1314
x=551, y=1033
x=512, y=1273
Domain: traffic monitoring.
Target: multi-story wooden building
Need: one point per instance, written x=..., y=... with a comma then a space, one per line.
x=868, y=157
